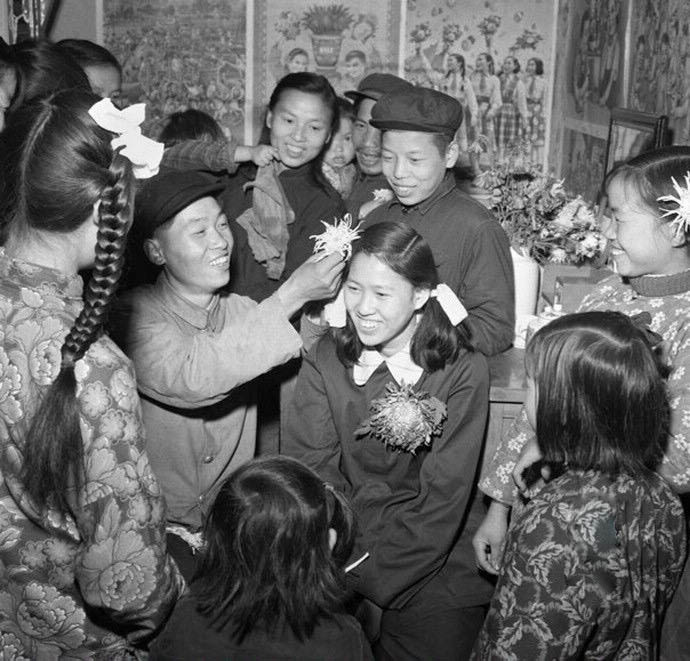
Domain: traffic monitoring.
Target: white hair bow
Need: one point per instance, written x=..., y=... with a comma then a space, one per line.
x=145, y=154
x=450, y=303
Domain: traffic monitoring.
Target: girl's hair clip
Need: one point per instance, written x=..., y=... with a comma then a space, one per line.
x=679, y=217
x=144, y=154
x=450, y=303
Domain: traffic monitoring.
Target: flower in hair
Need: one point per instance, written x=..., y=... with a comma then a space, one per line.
x=680, y=217
x=337, y=238
x=404, y=419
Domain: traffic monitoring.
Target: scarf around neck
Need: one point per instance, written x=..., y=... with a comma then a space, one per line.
x=266, y=221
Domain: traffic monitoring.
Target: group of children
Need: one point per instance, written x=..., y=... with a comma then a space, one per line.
x=374, y=508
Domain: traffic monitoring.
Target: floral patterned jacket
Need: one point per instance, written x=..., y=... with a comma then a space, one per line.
x=589, y=568
x=667, y=299
x=97, y=583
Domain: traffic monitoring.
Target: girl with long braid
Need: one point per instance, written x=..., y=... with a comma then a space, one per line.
x=84, y=571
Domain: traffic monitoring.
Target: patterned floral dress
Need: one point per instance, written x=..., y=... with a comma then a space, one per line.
x=667, y=299
x=589, y=568
x=108, y=557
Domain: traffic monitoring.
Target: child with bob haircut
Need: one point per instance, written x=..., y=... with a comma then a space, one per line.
x=271, y=583
x=338, y=166
x=649, y=238
x=592, y=561
x=391, y=410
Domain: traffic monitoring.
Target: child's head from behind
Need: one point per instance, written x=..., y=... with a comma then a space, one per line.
x=276, y=540
x=642, y=241
x=190, y=124
x=181, y=228
x=597, y=395
x=342, y=149
x=388, y=296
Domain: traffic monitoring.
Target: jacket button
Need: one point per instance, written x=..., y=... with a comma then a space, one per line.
x=208, y=458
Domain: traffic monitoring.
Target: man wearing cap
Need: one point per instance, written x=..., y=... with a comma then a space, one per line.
x=195, y=350
x=470, y=247
x=367, y=139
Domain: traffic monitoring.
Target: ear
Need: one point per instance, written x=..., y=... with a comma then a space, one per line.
x=420, y=296
x=452, y=154
x=154, y=251
x=269, y=119
x=332, y=538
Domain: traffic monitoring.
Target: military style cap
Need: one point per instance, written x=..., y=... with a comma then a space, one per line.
x=417, y=109
x=166, y=194
x=375, y=85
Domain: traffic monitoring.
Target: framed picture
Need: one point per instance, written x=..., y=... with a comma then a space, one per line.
x=30, y=19
x=632, y=132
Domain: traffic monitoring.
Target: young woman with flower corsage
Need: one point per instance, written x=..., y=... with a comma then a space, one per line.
x=391, y=410
x=85, y=572
x=592, y=561
x=649, y=239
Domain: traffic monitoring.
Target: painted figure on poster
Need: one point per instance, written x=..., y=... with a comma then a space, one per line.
x=487, y=90
x=535, y=124
x=512, y=113
x=457, y=84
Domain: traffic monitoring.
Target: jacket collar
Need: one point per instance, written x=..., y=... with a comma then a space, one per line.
x=208, y=318
x=444, y=188
x=400, y=365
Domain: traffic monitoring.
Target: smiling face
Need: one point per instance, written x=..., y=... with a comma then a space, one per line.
x=509, y=65
x=482, y=64
x=414, y=165
x=381, y=304
x=194, y=248
x=300, y=126
x=367, y=139
x=354, y=68
x=342, y=149
x=641, y=244
x=298, y=63
x=531, y=67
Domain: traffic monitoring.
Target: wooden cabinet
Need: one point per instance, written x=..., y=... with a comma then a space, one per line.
x=506, y=396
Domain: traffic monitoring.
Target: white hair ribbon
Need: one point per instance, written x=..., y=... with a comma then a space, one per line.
x=450, y=303
x=334, y=312
x=145, y=154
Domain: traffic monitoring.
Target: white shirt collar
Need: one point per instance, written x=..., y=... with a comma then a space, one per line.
x=400, y=365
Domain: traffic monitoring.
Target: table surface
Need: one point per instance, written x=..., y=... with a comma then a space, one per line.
x=507, y=374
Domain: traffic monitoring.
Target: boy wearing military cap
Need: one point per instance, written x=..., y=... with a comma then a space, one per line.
x=195, y=349
x=367, y=141
x=470, y=247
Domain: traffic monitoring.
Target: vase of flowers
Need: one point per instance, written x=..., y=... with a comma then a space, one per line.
x=327, y=25
x=545, y=224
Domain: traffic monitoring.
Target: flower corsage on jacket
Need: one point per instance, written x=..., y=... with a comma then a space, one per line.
x=404, y=419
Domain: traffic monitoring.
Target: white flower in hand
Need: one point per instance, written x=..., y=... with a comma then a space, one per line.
x=336, y=238
x=383, y=195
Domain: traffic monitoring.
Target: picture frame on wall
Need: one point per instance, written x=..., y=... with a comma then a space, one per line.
x=30, y=19
x=632, y=132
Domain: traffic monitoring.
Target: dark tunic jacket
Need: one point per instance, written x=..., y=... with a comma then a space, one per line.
x=311, y=204
x=472, y=254
x=417, y=513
